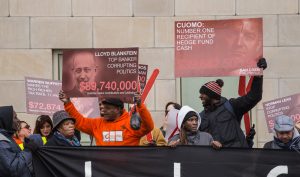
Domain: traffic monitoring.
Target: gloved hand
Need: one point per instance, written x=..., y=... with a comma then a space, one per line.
x=250, y=137
x=32, y=146
x=137, y=99
x=135, y=121
x=262, y=63
x=152, y=143
x=63, y=97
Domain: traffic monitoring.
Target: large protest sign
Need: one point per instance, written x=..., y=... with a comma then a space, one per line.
x=289, y=106
x=101, y=73
x=42, y=99
x=42, y=96
x=183, y=161
x=218, y=47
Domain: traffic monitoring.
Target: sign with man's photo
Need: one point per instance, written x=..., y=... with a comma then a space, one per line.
x=108, y=72
x=218, y=47
x=289, y=106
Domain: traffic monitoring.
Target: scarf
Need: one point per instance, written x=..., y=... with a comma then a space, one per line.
x=294, y=144
x=73, y=141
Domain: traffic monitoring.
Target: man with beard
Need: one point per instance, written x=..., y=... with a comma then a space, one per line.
x=221, y=117
x=285, y=135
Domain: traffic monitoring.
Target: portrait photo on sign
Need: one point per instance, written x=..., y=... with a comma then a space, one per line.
x=107, y=72
x=218, y=47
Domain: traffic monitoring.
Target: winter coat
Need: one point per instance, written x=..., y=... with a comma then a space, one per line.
x=55, y=141
x=197, y=138
x=292, y=145
x=155, y=136
x=223, y=124
x=38, y=139
x=13, y=161
x=113, y=133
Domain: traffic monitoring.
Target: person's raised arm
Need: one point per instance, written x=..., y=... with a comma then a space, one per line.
x=245, y=103
x=82, y=123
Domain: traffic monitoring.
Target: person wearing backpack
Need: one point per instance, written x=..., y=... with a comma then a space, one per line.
x=222, y=117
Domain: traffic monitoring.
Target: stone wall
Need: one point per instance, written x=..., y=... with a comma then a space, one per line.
x=30, y=30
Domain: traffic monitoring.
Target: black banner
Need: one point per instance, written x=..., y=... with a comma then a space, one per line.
x=183, y=161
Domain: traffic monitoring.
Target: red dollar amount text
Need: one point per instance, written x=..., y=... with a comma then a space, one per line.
x=43, y=106
x=109, y=86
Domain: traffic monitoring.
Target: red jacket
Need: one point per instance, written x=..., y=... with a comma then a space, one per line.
x=113, y=133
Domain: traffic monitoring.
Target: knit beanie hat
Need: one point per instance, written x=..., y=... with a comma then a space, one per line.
x=189, y=115
x=212, y=89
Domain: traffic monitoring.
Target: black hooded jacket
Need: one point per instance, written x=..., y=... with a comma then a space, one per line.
x=13, y=161
x=223, y=124
x=6, y=118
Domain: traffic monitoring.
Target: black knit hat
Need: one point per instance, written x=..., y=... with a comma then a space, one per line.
x=114, y=101
x=212, y=89
x=188, y=115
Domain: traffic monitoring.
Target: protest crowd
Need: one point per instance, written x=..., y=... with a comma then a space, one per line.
x=218, y=126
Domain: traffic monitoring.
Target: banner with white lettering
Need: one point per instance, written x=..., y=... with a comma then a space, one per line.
x=42, y=98
x=143, y=71
x=183, y=161
x=104, y=72
x=218, y=47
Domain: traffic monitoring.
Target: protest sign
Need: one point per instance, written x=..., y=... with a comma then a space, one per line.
x=42, y=96
x=101, y=73
x=218, y=47
x=143, y=70
x=289, y=106
x=42, y=99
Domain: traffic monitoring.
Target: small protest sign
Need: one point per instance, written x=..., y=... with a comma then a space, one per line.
x=289, y=106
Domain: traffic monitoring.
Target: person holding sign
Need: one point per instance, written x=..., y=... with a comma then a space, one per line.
x=222, y=117
x=113, y=128
x=285, y=135
x=84, y=71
